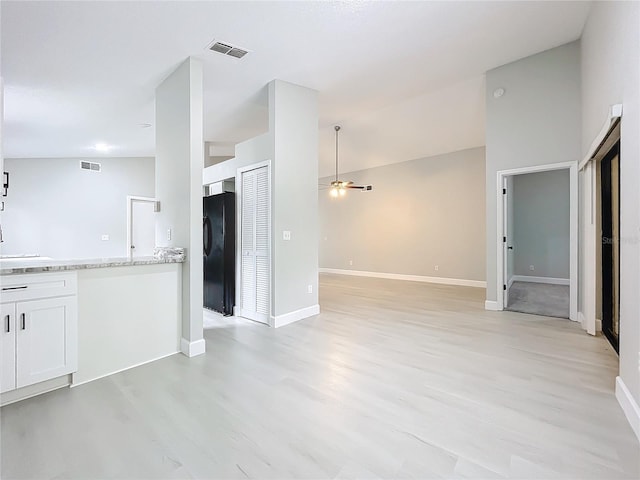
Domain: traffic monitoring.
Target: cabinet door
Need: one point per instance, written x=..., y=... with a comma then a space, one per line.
x=46, y=339
x=8, y=347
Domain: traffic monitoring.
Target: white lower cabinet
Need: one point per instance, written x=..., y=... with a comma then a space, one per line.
x=8, y=371
x=39, y=335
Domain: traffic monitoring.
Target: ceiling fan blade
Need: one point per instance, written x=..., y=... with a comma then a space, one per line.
x=365, y=188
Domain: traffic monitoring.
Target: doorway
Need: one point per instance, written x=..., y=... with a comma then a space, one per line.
x=595, y=242
x=141, y=226
x=540, y=280
x=610, y=244
x=537, y=243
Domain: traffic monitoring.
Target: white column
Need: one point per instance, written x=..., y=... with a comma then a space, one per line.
x=179, y=167
x=293, y=125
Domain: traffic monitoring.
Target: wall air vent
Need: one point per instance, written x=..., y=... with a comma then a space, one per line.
x=96, y=167
x=227, y=49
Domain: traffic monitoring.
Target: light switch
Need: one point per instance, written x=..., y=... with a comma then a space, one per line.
x=105, y=237
x=286, y=235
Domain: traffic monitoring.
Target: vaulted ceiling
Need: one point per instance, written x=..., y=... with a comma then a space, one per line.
x=404, y=79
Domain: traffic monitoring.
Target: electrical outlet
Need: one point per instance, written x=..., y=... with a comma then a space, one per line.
x=532, y=268
x=168, y=234
x=309, y=288
x=105, y=238
x=350, y=262
x=436, y=268
x=286, y=235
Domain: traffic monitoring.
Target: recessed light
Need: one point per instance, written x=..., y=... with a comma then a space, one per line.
x=102, y=147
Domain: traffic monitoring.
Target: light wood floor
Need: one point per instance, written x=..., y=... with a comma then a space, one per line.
x=393, y=380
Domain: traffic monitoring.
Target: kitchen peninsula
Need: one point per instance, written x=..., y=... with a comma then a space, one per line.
x=67, y=322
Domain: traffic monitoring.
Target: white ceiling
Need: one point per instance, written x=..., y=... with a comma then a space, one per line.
x=404, y=79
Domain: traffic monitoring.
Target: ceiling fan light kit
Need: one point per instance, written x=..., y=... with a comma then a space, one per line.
x=339, y=187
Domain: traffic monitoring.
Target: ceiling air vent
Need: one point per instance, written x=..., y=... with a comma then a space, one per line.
x=90, y=166
x=237, y=52
x=227, y=49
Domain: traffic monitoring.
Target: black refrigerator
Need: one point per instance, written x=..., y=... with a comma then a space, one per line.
x=219, y=252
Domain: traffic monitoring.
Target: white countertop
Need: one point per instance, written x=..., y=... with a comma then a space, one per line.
x=17, y=265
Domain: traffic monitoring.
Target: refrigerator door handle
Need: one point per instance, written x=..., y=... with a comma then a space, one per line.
x=206, y=232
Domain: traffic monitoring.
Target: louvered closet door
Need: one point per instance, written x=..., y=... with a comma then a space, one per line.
x=262, y=242
x=255, y=244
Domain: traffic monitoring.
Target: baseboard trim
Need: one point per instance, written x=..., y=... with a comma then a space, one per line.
x=629, y=406
x=19, y=394
x=192, y=349
x=287, y=318
x=491, y=305
x=412, y=278
x=598, y=325
x=510, y=282
x=77, y=384
x=547, y=280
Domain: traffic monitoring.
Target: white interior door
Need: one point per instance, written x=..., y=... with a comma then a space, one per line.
x=143, y=228
x=254, y=237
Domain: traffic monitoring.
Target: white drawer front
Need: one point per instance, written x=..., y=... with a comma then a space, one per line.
x=37, y=285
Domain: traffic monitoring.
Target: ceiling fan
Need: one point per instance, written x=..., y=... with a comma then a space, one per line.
x=338, y=188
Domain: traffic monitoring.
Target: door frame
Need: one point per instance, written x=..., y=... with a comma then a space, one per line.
x=608, y=135
x=573, y=230
x=238, y=191
x=130, y=200
x=505, y=240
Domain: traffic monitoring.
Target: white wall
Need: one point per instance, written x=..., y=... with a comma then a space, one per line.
x=292, y=146
x=56, y=209
x=179, y=167
x=536, y=122
x=293, y=122
x=610, y=75
x=1, y=151
x=247, y=153
x=420, y=214
x=541, y=224
x=127, y=316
